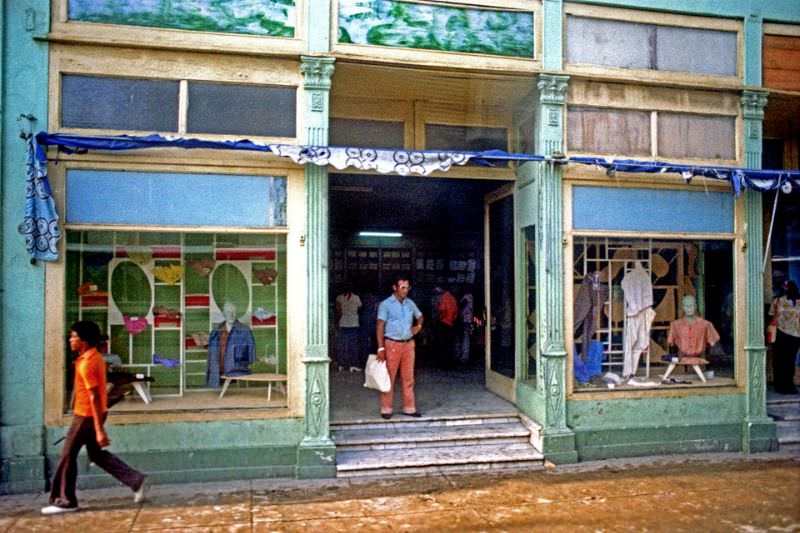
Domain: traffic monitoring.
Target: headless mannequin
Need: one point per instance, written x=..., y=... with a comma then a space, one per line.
x=691, y=334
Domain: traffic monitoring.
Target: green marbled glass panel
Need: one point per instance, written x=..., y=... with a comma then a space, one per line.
x=447, y=29
x=273, y=18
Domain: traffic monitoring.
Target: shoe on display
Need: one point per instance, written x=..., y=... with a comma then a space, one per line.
x=57, y=509
x=355, y=369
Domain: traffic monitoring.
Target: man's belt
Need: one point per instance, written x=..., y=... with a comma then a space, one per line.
x=399, y=340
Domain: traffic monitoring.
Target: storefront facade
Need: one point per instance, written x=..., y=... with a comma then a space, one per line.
x=163, y=247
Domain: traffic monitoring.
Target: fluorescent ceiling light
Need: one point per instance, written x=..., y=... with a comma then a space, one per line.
x=379, y=234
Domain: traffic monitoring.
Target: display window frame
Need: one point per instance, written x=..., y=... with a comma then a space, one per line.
x=56, y=412
x=64, y=30
x=738, y=247
x=658, y=19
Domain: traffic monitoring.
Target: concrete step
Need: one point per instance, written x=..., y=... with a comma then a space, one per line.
x=788, y=432
x=425, y=460
x=785, y=411
x=420, y=446
x=399, y=420
x=404, y=437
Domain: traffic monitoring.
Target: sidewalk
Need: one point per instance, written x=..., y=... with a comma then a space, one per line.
x=715, y=492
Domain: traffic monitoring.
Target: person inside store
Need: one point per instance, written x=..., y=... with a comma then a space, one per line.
x=445, y=316
x=399, y=319
x=347, y=305
x=87, y=429
x=785, y=310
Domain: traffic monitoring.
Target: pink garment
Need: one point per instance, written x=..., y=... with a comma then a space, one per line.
x=399, y=355
x=135, y=324
x=691, y=337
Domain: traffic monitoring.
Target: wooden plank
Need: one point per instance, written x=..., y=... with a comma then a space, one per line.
x=782, y=59
x=783, y=42
x=781, y=79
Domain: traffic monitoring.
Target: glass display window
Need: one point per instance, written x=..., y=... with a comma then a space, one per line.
x=192, y=320
x=652, y=313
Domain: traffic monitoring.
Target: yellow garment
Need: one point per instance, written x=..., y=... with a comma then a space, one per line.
x=169, y=274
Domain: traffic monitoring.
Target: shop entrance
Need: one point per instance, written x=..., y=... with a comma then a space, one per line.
x=446, y=234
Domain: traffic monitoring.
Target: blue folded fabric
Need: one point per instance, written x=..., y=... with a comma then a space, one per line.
x=165, y=361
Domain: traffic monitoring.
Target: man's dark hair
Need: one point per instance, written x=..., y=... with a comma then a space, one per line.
x=397, y=278
x=87, y=331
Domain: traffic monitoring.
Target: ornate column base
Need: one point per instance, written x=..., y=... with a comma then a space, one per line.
x=316, y=459
x=558, y=446
x=759, y=435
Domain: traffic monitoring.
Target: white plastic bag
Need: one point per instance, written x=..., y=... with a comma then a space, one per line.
x=376, y=376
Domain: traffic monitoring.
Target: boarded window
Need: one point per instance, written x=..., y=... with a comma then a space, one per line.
x=608, y=131
x=702, y=136
x=651, y=47
x=241, y=110
x=119, y=104
x=782, y=62
x=474, y=138
x=366, y=133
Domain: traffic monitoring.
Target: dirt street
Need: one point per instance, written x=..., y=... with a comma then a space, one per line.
x=707, y=494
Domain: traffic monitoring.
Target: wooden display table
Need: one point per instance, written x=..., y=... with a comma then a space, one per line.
x=269, y=379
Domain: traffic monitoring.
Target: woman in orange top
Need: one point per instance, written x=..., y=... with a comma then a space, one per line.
x=89, y=415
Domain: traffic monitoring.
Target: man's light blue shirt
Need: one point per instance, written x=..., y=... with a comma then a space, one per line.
x=398, y=317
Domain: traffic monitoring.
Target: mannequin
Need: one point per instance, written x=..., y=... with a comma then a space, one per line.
x=691, y=334
x=231, y=347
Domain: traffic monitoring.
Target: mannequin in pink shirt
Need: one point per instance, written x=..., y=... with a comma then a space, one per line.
x=691, y=334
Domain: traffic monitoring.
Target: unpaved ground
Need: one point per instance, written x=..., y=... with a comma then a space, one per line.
x=698, y=493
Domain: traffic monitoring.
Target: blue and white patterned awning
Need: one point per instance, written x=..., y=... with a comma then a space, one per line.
x=41, y=220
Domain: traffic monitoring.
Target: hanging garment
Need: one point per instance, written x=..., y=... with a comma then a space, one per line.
x=638, y=290
x=636, y=340
x=229, y=352
x=592, y=296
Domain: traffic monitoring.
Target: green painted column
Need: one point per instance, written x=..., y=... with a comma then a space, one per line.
x=316, y=456
x=558, y=439
x=759, y=430
x=552, y=35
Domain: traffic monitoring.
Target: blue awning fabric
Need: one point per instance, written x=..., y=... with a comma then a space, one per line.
x=42, y=219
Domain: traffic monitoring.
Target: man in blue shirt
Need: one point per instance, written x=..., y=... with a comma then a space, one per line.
x=399, y=319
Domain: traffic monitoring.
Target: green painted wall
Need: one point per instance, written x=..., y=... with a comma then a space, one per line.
x=196, y=451
x=24, y=80
x=651, y=426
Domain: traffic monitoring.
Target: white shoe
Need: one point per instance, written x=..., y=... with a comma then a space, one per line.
x=140, y=495
x=56, y=509
x=355, y=369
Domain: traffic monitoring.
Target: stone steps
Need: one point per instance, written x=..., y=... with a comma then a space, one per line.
x=433, y=445
x=786, y=412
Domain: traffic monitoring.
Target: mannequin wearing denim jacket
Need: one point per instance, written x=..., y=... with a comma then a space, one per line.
x=239, y=350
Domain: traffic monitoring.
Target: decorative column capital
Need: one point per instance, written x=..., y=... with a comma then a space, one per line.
x=753, y=104
x=317, y=72
x=552, y=88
